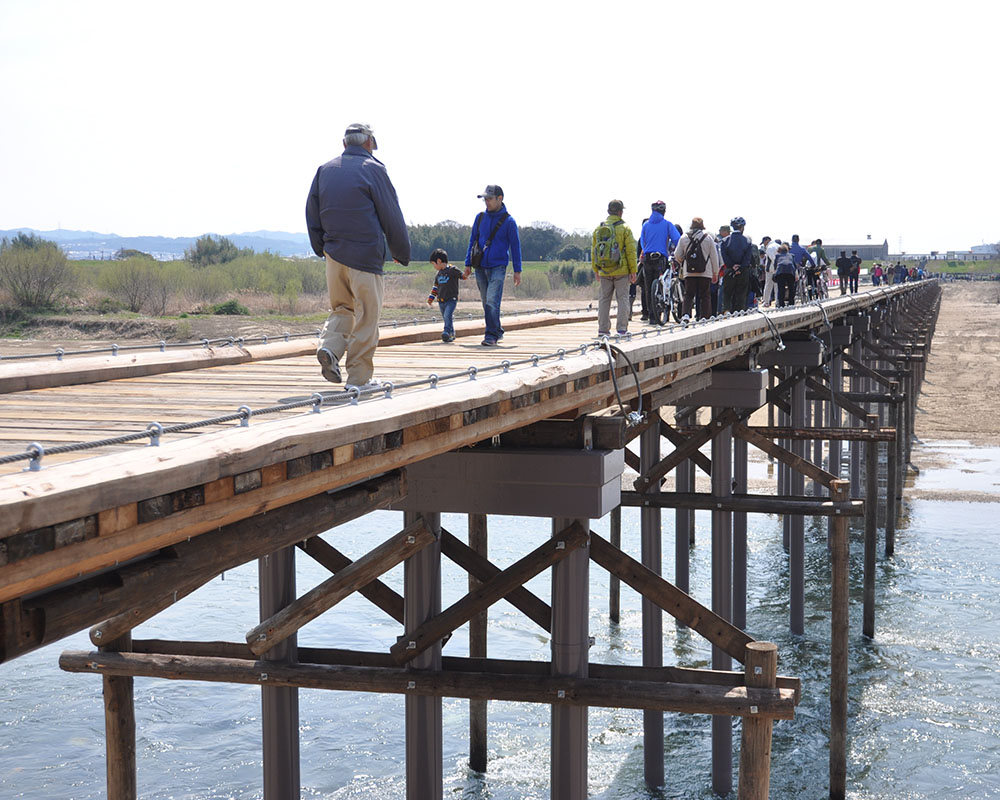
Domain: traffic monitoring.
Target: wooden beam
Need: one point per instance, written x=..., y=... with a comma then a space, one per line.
x=746, y=503
x=676, y=438
x=134, y=592
x=738, y=701
x=689, y=448
x=865, y=370
x=679, y=605
x=839, y=398
x=607, y=433
x=825, y=434
x=303, y=610
x=496, y=588
x=797, y=463
x=323, y=552
x=529, y=604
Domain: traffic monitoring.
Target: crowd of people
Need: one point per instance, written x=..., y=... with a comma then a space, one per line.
x=353, y=218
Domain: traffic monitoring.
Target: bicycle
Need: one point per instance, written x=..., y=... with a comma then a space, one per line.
x=667, y=296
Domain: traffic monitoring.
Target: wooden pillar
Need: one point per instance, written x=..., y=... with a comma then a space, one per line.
x=839, y=592
x=836, y=447
x=652, y=614
x=795, y=485
x=755, y=747
x=478, y=648
x=570, y=651
x=892, y=474
x=279, y=704
x=855, y=447
x=740, y=537
x=871, y=529
x=817, y=421
x=422, y=600
x=614, y=583
x=684, y=517
x=119, y=727
x=722, y=597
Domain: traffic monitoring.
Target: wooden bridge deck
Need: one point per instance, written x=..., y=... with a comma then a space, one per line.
x=94, y=510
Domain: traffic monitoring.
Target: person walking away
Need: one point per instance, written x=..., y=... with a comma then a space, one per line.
x=876, y=274
x=784, y=276
x=445, y=290
x=770, y=249
x=493, y=243
x=736, y=254
x=657, y=240
x=351, y=212
x=698, y=260
x=855, y=270
x=724, y=232
x=801, y=256
x=612, y=255
x=843, y=271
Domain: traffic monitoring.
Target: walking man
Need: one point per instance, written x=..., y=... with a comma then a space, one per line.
x=843, y=270
x=351, y=212
x=612, y=255
x=855, y=270
x=493, y=240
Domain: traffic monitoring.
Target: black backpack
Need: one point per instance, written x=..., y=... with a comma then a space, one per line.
x=694, y=259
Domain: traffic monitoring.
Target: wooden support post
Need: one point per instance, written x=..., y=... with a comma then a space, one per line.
x=722, y=592
x=796, y=527
x=755, y=749
x=839, y=593
x=279, y=704
x=855, y=447
x=615, y=584
x=891, y=476
x=684, y=518
x=478, y=648
x=422, y=598
x=817, y=422
x=119, y=727
x=570, y=648
x=871, y=529
x=652, y=616
x=740, y=537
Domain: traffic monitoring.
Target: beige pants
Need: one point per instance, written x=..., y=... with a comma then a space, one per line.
x=352, y=327
x=768, y=287
x=617, y=286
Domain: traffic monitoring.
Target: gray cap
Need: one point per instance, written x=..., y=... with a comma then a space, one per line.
x=491, y=191
x=359, y=127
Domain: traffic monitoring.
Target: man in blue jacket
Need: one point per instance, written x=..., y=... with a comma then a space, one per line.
x=350, y=213
x=494, y=237
x=736, y=255
x=658, y=235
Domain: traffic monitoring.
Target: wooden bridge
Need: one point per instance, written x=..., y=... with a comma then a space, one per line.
x=254, y=454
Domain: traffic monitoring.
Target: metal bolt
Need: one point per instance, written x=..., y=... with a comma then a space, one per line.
x=753, y=709
x=263, y=676
x=560, y=545
x=758, y=670
x=411, y=645
x=411, y=684
x=561, y=694
x=98, y=634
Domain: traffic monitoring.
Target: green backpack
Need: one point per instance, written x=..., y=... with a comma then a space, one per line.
x=607, y=251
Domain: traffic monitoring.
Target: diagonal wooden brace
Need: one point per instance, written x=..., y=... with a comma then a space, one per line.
x=786, y=457
x=516, y=575
x=301, y=611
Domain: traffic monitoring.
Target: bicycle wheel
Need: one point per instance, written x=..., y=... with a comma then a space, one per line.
x=658, y=306
x=677, y=299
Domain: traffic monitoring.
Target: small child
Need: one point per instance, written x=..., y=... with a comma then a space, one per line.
x=445, y=290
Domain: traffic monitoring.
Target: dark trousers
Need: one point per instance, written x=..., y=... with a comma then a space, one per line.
x=698, y=290
x=735, y=287
x=786, y=290
x=854, y=282
x=843, y=282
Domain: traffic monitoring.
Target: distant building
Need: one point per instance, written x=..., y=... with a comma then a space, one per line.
x=869, y=251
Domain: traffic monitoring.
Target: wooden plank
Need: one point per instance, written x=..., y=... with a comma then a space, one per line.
x=561, y=690
x=746, y=503
x=676, y=438
x=303, y=610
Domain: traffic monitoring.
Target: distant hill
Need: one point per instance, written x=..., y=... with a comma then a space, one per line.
x=88, y=244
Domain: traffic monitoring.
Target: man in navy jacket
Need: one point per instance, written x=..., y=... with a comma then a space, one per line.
x=351, y=210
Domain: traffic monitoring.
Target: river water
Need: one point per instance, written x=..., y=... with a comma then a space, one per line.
x=924, y=703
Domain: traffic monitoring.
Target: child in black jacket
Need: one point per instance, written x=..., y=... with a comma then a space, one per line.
x=445, y=291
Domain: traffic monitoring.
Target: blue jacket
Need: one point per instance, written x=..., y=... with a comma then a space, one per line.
x=800, y=255
x=506, y=240
x=784, y=264
x=658, y=234
x=736, y=251
x=352, y=209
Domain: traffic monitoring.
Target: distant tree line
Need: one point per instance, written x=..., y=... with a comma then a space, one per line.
x=541, y=242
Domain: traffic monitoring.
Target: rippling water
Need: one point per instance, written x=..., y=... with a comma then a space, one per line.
x=924, y=705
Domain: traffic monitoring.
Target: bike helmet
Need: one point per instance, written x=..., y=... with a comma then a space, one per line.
x=660, y=206
x=738, y=222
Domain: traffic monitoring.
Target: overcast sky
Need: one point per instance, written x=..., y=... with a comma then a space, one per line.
x=833, y=120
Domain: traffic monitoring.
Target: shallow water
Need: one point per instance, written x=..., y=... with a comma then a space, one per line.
x=924, y=694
